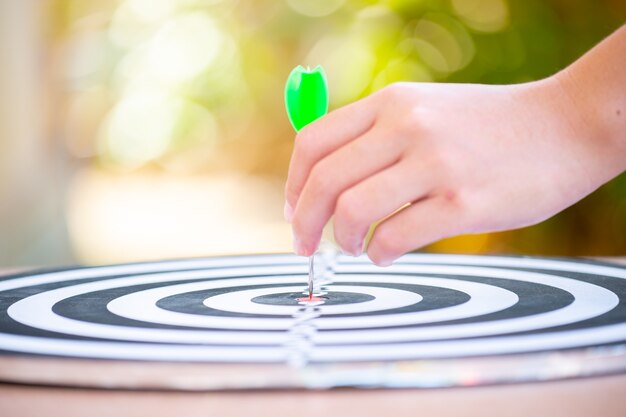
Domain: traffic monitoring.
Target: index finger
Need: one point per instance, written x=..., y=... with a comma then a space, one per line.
x=322, y=137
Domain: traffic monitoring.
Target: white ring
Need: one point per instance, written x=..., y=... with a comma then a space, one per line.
x=509, y=344
x=142, y=305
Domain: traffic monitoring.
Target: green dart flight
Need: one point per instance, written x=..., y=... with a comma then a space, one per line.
x=306, y=96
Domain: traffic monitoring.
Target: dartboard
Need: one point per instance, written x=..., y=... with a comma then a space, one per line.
x=424, y=309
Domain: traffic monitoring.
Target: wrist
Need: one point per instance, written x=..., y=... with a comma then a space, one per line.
x=594, y=88
x=590, y=118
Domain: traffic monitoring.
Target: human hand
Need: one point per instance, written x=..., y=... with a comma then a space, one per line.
x=466, y=158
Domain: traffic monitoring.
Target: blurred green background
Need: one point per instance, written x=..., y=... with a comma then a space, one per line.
x=150, y=129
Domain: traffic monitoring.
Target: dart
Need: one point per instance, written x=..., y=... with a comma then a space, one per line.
x=306, y=100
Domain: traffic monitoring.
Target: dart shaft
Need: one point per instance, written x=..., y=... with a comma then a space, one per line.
x=311, y=274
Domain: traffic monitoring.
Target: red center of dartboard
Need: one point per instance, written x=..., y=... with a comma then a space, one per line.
x=310, y=299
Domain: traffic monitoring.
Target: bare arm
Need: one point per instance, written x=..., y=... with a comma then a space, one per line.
x=595, y=87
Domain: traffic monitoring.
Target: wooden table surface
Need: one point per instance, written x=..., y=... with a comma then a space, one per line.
x=591, y=397
x=598, y=396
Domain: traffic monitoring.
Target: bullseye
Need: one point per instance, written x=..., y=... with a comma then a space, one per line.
x=311, y=299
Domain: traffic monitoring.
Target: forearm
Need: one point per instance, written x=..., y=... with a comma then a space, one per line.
x=594, y=89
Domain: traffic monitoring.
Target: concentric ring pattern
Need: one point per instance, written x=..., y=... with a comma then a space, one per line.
x=244, y=309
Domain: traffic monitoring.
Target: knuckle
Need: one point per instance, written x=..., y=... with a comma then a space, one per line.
x=455, y=201
x=394, y=91
x=411, y=124
x=416, y=118
x=386, y=96
x=451, y=197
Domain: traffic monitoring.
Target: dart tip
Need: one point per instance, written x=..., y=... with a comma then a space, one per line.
x=311, y=276
x=306, y=300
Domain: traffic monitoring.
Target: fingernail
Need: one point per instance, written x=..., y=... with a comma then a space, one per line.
x=359, y=248
x=384, y=263
x=288, y=212
x=352, y=252
x=356, y=250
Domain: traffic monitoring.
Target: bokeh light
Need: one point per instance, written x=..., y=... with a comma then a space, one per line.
x=483, y=15
x=140, y=128
x=156, y=128
x=184, y=47
x=443, y=44
x=315, y=8
x=351, y=61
